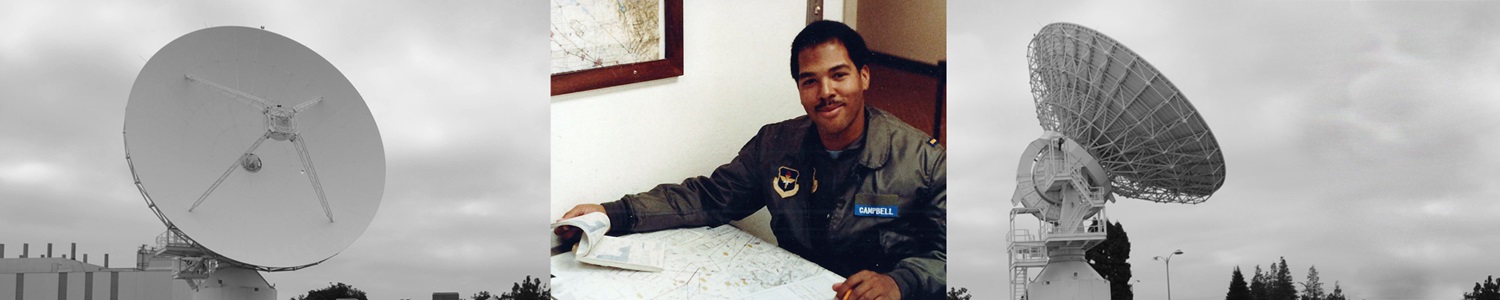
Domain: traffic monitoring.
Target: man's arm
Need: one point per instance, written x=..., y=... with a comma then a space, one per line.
x=725, y=195
x=926, y=275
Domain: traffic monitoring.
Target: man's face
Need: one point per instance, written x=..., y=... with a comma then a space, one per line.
x=833, y=91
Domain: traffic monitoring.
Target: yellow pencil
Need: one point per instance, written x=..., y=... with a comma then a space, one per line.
x=846, y=294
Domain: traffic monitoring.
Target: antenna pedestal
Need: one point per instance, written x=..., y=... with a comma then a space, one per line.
x=206, y=276
x=1068, y=276
x=231, y=283
x=1065, y=189
x=1060, y=250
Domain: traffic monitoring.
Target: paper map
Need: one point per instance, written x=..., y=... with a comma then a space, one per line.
x=702, y=263
x=597, y=248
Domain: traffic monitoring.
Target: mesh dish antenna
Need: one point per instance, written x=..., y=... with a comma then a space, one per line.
x=253, y=150
x=1153, y=143
x=1113, y=126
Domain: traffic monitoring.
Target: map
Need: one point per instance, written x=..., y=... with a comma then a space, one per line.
x=702, y=263
x=597, y=248
x=589, y=34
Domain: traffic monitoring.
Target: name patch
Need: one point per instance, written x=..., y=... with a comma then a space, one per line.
x=875, y=211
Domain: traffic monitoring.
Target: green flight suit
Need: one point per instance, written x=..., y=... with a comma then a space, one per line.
x=889, y=215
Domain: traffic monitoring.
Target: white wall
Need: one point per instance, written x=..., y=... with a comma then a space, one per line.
x=835, y=10
x=623, y=140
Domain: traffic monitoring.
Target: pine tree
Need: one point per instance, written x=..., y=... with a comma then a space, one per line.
x=1282, y=286
x=1258, y=285
x=1338, y=293
x=1237, y=288
x=1312, y=289
x=1111, y=259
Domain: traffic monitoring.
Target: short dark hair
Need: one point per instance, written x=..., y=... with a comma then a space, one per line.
x=824, y=31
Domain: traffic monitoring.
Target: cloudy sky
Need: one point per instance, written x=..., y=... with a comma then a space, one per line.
x=1355, y=135
x=458, y=89
x=1358, y=138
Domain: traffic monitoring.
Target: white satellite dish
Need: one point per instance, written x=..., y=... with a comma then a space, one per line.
x=1113, y=125
x=253, y=149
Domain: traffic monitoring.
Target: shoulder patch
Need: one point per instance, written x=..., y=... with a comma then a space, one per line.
x=932, y=142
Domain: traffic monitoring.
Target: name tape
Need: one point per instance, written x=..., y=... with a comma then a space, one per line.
x=875, y=211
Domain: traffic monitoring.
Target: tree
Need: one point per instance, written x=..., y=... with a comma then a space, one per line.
x=959, y=294
x=1491, y=288
x=1312, y=289
x=1110, y=259
x=1258, y=289
x=1237, y=288
x=482, y=295
x=528, y=289
x=333, y=292
x=1487, y=290
x=1338, y=293
x=1281, y=285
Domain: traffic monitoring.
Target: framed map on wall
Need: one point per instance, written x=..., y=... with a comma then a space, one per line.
x=603, y=43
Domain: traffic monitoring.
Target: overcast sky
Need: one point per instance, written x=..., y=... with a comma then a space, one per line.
x=1355, y=134
x=458, y=90
x=1358, y=137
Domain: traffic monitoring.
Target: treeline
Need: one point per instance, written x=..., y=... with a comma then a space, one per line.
x=1275, y=283
x=528, y=289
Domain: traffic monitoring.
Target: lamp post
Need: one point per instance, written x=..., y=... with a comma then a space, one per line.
x=1168, y=259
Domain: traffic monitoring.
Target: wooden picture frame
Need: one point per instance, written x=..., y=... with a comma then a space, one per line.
x=603, y=77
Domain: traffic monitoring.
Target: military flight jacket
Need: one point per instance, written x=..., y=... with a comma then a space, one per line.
x=892, y=219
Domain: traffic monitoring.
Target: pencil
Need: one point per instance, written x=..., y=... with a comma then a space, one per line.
x=846, y=294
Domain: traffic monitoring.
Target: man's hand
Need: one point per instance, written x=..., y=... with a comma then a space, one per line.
x=868, y=285
x=582, y=209
x=569, y=234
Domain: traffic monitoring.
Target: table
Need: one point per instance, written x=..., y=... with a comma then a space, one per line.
x=702, y=263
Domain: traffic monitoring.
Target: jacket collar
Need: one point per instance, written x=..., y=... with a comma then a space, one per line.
x=879, y=130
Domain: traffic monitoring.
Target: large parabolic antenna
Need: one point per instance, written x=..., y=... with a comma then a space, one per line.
x=253, y=150
x=1113, y=126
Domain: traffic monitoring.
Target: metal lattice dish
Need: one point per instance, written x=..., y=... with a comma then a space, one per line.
x=1095, y=91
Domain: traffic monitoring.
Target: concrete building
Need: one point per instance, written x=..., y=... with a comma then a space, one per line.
x=45, y=277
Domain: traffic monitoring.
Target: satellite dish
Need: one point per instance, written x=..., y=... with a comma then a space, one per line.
x=1113, y=126
x=253, y=149
x=1092, y=89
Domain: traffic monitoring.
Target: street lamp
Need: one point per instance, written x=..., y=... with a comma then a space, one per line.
x=1168, y=259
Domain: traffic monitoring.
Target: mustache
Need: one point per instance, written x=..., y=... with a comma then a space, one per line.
x=827, y=102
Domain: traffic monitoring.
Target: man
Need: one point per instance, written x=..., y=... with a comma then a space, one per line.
x=849, y=187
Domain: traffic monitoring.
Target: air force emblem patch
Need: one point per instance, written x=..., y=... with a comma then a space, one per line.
x=785, y=182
